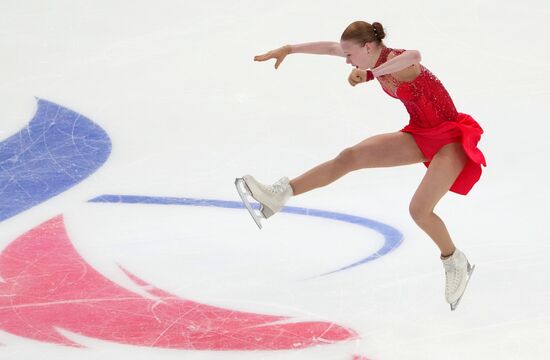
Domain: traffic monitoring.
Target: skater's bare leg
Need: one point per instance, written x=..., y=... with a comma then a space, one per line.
x=440, y=176
x=384, y=150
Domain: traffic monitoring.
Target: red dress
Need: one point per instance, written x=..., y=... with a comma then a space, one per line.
x=434, y=120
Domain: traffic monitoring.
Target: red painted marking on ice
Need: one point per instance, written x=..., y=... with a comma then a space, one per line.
x=48, y=286
x=360, y=357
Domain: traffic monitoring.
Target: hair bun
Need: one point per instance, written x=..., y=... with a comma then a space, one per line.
x=378, y=30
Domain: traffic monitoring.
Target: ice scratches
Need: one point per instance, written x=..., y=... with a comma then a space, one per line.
x=57, y=149
x=49, y=287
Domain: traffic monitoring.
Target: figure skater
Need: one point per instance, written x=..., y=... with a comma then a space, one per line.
x=437, y=135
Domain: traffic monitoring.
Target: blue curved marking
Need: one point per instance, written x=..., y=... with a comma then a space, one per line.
x=58, y=149
x=392, y=236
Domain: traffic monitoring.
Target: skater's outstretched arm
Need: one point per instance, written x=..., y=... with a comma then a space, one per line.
x=318, y=48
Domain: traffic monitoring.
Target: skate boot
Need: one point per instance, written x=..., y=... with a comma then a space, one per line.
x=271, y=197
x=457, y=275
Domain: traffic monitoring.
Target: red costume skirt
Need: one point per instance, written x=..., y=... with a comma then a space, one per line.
x=464, y=130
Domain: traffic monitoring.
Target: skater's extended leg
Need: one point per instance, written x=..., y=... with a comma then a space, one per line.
x=384, y=150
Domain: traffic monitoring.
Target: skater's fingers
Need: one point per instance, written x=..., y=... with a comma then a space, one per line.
x=354, y=77
x=263, y=57
x=353, y=80
x=357, y=74
x=279, y=61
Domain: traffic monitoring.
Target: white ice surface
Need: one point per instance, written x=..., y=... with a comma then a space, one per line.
x=174, y=85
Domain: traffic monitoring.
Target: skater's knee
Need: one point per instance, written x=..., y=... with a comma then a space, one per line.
x=347, y=158
x=419, y=213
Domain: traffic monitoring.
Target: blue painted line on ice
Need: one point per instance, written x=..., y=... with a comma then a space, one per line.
x=392, y=237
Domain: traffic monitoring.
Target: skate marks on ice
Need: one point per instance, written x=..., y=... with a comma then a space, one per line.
x=48, y=286
x=57, y=149
x=392, y=237
x=45, y=285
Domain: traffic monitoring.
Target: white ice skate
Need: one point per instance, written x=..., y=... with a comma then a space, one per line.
x=457, y=275
x=271, y=197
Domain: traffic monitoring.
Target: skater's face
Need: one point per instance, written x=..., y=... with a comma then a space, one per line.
x=356, y=55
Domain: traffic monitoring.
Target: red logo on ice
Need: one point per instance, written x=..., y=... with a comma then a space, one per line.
x=46, y=285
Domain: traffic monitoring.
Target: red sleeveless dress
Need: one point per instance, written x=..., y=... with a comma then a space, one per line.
x=434, y=120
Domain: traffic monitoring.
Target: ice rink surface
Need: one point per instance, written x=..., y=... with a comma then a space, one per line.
x=124, y=124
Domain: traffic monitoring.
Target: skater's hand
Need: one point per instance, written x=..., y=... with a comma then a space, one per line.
x=278, y=54
x=357, y=76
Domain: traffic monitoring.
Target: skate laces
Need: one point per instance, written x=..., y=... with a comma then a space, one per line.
x=453, y=276
x=279, y=187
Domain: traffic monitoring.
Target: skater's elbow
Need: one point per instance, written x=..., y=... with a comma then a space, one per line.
x=415, y=55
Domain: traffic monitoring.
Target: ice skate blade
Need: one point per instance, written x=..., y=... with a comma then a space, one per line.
x=243, y=191
x=470, y=271
x=266, y=212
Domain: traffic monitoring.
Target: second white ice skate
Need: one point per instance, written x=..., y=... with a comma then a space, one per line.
x=457, y=275
x=470, y=270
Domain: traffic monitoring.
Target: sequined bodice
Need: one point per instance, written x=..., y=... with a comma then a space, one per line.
x=425, y=98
